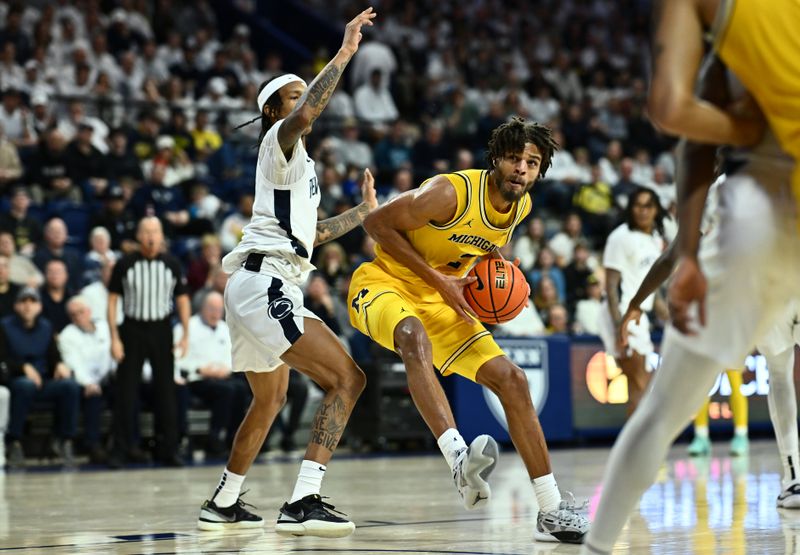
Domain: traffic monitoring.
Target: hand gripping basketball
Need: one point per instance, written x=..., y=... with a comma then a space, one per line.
x=500, y=292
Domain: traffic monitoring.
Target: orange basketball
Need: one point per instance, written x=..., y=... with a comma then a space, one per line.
x=500, y=293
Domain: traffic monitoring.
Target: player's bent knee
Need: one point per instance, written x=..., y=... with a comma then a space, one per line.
x=411, y=340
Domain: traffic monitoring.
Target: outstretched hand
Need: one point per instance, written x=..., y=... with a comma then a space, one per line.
x=688, y=286
x=633, y=314
x=368, y=194
x=352, y=32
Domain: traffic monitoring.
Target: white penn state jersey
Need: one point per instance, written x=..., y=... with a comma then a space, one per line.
x=284, y=217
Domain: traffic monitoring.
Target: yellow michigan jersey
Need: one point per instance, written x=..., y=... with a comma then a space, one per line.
x=384, y=292
x=760, y=42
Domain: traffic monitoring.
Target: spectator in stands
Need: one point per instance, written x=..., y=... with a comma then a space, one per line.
x=374, y=103
x=26, y=229
x=577, y=272
x=546, y=266
x=76, y=117
x=176, y=164
x=393, y=151
x=373, y=55
x=53, y=247
x=526, y=324
x=208, y=371
x=319, y=300
x=595, y=203
x=611, y=161
x=200, y=269
x=563, y=243
x=10, y=165
x=8, y=292
x=14, y=33
x=21, y=270
x=96, y=294
x=143, y=140
x=15, y=118
x=87, y=165
x=332, y=263
x=217, y=281
x=206, y=139
x=85, y=346
x=118, y=219
x=527, y=246
x=121, y=162
x=153, y=66
x=178, y=129
x=42, y=117
x=350, y=150
x=625, y=185
x=545, y=295
x=230, y=232
x=100, y=253
x=50, y=172
x=587, y=311
x=431, y=155
x=543, y=107
x=42, y=376
x=564, y=79
x=557, y=319
x=54, y=294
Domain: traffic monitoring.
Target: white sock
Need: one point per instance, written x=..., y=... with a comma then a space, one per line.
x=740, y=431
x=791, y=472
x=547, y=494
x=451, y=444
x=230, y=484
x=701, y=431
x=309, y=480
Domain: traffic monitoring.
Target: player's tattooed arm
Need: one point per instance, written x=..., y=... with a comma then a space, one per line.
x=315, y=98
x=333, y=228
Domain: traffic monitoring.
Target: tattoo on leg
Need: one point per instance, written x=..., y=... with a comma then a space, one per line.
x=329, y=423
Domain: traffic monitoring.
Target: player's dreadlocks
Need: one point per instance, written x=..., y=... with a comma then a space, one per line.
x=511, y=138
x=273, y=103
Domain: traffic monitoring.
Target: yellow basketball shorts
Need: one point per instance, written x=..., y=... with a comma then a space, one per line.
x=378, y=301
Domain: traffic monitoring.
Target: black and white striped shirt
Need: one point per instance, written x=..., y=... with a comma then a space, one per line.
x=147, y=286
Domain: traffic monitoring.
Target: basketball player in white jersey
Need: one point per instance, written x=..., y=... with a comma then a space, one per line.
x=750, y=262
x=630, y=250
x=270, y=329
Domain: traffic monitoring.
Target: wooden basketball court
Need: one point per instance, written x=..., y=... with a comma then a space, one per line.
x=401, y=505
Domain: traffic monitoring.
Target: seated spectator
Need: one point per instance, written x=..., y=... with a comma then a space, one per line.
x=208, y=373
x=85, y=346
x=169, y=205
x=121, y=162
x=526, y=324
x=230, y=233
x=527, y=247
x=202, y=204
x=198, y=275
x=178, y=129
x=431, y=155
x=595, y=204
x=175, y=163
x=41, y=376
x=206, y=139
x=87, y=165
x=95, y=295
x=588, y=310
x=118, y=219
x=546, y=266
x=557, y=319
x=319, y=300
x=217, y=280
x=332, y=263
x=14, y=117
x=349, y=149
x=54, y=294
x=76, y=117
x=53, y=247
x=26, y=230
x=577, y=272
x=50, y=171
x=142, y=140
x=42, y=114
x=10, y=165
x=403, y=181
x=625, y=185
x=545, y=295
x=373, y=102
x=100, y=253
x=563, y=243
x=393, y=151
x=21, y=270
x=8, y=290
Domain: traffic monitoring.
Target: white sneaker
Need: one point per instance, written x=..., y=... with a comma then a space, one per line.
x=564, y=524
x=790, y=497
x=472, y=469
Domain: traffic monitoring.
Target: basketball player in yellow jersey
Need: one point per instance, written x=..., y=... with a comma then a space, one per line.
x=410, y=299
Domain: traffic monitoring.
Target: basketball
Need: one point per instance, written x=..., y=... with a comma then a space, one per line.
x=500, y=293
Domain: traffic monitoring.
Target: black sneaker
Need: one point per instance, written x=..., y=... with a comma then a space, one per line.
x=311, y=516
x=227, y=518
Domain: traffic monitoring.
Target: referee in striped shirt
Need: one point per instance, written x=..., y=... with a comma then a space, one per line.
x=147, y=281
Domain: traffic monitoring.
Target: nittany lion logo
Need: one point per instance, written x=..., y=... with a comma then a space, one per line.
x=280, y=308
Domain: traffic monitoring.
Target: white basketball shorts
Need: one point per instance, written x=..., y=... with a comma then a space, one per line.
x=264, y=311
x=784, y=335
x=751, y=261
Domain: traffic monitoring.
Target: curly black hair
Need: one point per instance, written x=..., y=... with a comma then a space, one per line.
x=511, y=138
x=661, y=212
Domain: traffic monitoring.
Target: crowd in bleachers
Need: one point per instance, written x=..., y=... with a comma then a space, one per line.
x=111, y=115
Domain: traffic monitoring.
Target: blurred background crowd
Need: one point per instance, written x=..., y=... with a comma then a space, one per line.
x=112, y=111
